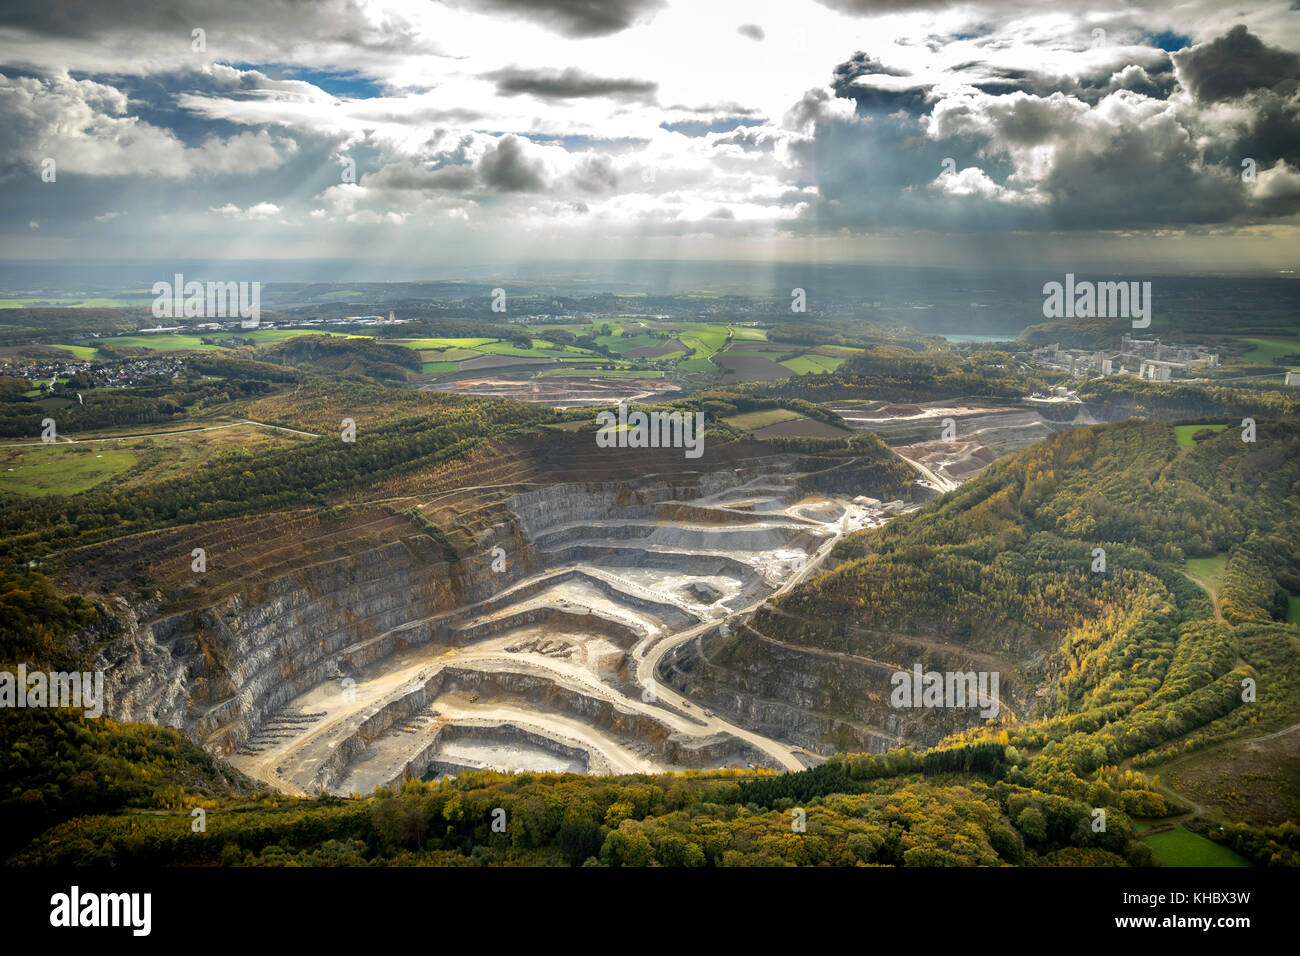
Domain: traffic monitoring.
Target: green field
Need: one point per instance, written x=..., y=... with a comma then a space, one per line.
x=1209, y=570
x=448, y=355
x=1182, y=847
x=177, y=341
x=163, y=342
x=753, y=420
x=59, y=469
x=80, y=351
x=705, y=339
x=813, y=363
x=1266, y=350
x=442, y=343
x=620, y=346
x=538, y=349
x=1183, y=433
x=440, y=355
x=697, y=364
x=265, y=336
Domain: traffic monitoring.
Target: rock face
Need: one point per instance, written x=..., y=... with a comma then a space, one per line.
x=368, y=664
x=220, y=671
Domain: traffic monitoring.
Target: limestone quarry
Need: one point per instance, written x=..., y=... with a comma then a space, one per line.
x=545, y=650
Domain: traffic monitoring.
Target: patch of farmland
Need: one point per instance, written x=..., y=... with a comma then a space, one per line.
x=749, y=368
x=762, y=419
x=813, y=363
x=801, y=428
x=655, y=351
x=501, y=361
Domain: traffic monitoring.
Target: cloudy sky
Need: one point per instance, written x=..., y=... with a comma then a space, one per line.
x=929, y=132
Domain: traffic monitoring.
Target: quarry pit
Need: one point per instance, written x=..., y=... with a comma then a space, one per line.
x=556, y=672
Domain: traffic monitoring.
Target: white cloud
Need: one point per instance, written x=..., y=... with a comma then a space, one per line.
x=87, y=128
x=255, y=213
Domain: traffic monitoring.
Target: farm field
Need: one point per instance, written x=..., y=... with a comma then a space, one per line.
x=176, y=341
x=1180, y=847
x=733, y=353
x=539, y=348
x=1266, y=350
x=59, y=468
x=268, y=336
x=172, y=342
x=1183, y=433
x=816, y=364
x=753, y=420
x=65, y=468
x=442, y=343
x=800, y=428
x=450, y=354
x=749, y=368
x=80, y=351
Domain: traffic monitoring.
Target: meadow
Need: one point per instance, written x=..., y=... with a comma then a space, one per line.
x=1180, y=847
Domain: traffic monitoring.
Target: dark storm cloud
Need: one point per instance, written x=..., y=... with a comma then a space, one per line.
x=596, y=174
x=1154, y=78
x=866, y=8
x=1273, y=134
x=451, y=178
x=913, y=99
x=279, y=23
x=505, y=168
x=569, y=84
x=573, y=18
x=852, y=80
x=1234, y=64
x=872, y=175
x=1139, y=177
x=715, y=109
x=860, y=64
x=751, y=30
x=1121, y=154
x=1239, y=67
